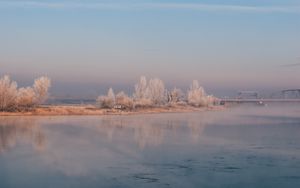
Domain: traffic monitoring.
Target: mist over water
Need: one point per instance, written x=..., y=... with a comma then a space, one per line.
x=243, y=146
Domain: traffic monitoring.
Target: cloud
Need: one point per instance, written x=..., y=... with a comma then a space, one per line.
x=291, y=65
x=151, y=6
x=220, y=7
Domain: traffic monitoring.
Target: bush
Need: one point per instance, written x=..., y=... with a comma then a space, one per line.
x=141, y=89
x=153, y=93
x=123, y=100
x=196, y=95
x=12, y=98
x=26, y=98
x=107, y=101
x=143, y=103
x=175, y=96
x=157, y=93
x=41, y=87
x=149, y=94
x=8, y=94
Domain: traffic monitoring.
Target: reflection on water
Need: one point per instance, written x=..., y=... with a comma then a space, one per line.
x=239, y=147
x=23, y=129
x=150, y=130
x=145, y=130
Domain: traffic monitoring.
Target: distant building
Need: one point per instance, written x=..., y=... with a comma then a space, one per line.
x=119, y=106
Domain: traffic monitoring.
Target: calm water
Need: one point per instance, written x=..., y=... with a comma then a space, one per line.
x=239, y=147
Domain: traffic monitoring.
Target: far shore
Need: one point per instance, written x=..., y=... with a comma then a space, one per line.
x=84, y=110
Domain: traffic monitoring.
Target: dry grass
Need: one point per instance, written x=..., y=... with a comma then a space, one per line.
x=91, y=110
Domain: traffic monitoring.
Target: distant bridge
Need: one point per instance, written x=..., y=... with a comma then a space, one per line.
x=295, y=92
x=283, y=97
x=258, y=100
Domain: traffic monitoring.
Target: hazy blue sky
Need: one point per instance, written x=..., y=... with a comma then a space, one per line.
x=86, y=45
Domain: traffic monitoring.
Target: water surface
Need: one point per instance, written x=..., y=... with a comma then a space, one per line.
x=238, y=147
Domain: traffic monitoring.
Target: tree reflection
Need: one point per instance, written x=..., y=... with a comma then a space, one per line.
x=20, y=129
x=148, y=130
x=151, y=131
x=76, y=144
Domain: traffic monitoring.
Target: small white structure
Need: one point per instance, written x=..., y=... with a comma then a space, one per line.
x=118, y=106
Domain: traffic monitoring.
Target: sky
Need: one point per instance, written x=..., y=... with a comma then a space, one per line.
x=86, y=46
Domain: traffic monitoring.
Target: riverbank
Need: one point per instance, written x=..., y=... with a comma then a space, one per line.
x=57, y=110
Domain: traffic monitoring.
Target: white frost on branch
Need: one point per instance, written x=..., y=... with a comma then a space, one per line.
x=41, y=87
x=12, y=98
x=175, y=96
x=107, y=101
x=123, y=100
x=149, y=94
x=141, y=89
x=156, y=90
x=26, y=98
x=154, y=93
x=196, y=95
x=8, y=94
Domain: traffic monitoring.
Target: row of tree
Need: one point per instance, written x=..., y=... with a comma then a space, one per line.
x=13, y=98
x=146, y=94
x=154, y=93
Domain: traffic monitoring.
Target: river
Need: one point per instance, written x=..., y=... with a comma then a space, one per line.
x=245, y=146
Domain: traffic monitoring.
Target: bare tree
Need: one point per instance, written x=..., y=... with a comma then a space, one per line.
x=157, y=91
x=141, y=89
x=8, y=94
x=175, y=95
x=123, y=100
x=41, y=87
x=147, y=94
x=111, y=95
x=196, y=95
x=141, y=94
x=107, y=101
x=12, y=98
x=26, y=98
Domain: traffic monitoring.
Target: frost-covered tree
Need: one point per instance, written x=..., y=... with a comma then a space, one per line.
x=148, y=94
x=12, y=98
x=142, y=103
x=141, y=94
x=123, y=100
x=175, y=95
x=156, y=90
x=107, y=101
x=141, y=89
x=41, y=87
x=26, y=98
x=8, y=94
x=196, y=95
x=111, y=95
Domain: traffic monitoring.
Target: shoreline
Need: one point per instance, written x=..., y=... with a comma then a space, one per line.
x=90, y=110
